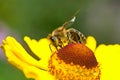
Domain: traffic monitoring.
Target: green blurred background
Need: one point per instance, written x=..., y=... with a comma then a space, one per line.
x=37, y=18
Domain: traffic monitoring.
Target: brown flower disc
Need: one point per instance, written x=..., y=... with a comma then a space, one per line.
x=78, y=54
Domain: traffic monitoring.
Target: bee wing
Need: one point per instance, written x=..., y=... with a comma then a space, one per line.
x=73, y=19
x=69, y=23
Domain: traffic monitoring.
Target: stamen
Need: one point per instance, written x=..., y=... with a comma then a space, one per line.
x=74, y=62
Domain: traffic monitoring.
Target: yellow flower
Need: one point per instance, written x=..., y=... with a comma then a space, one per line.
x=74, y=61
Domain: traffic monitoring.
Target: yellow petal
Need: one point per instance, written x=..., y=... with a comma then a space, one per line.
x=37, y=74
x=91, y=43
x=10, y=44
x=18, y=56
x=36, y=47
x=41, y=48
x=29, y=70
x=109, y=58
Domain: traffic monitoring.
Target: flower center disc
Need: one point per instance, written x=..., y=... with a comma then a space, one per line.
x=78, y=54
x=74, y=62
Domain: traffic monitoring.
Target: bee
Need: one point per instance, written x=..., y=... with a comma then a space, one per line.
x=75, y=36
x=61, y=36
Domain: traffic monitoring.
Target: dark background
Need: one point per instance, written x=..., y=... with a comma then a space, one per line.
x=37, y=18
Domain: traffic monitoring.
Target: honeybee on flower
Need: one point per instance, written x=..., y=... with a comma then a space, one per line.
x=61, y=36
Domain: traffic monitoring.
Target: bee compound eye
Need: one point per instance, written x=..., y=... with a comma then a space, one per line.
x=53, y=38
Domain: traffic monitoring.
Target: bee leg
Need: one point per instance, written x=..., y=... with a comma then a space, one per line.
x=51, y=48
